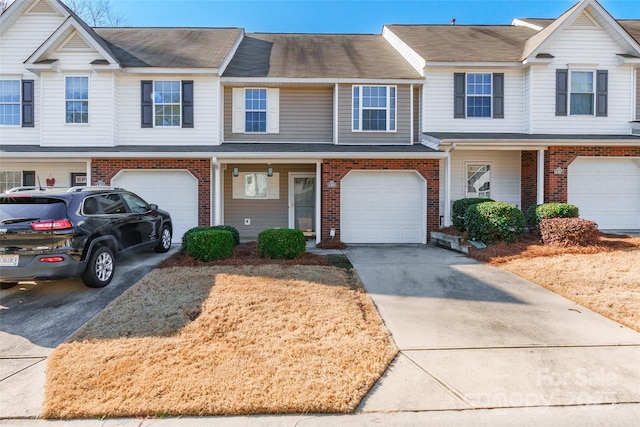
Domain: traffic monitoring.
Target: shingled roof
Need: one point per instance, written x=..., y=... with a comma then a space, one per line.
x=170, y=47
x=358, y=56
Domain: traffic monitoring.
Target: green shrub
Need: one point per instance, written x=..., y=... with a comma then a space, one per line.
x=281, y=243
x=536, y=213
x=232, y=230
x=491, y=221
x=569, y=232
x=207, y=245
x=460, y=208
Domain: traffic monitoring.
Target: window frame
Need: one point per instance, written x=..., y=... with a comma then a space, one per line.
x=68, y=100
x=467, y=95
x=391, y=108
x=3, y=182
x=170, y=104
x=570, y=92
x=477, y=163
x=264, y=111
x=19, y=103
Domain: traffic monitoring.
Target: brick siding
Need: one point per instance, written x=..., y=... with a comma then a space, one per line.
x=335, y=170
x=528, y=178
x=106, y=169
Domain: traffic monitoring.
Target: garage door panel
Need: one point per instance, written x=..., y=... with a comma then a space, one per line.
x=606, y=190
x=383, y=207
x=175, y=191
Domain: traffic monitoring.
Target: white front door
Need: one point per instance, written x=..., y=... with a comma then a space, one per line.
x=302, y=202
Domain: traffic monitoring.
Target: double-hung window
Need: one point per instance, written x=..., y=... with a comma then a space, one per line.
x=479, y=94
x=167, y=102
x=374, y=108
x=582, y=93
x=77, y=99
x=10, y=102
x=255, y=110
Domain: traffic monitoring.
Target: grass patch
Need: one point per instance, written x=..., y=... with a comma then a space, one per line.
x=224, y=340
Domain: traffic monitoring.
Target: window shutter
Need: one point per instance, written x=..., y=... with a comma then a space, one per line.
x=273, y=111
x=187, y=103
x=602, y=93
x=146, y=104
x=458, y=96
x=498, y=95
x=237, y=110
x=27, y=104
x=562, y=78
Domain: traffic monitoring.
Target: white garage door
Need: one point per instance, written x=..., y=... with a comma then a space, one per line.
x=175, y=191
x=606, y=190
x=383, y=207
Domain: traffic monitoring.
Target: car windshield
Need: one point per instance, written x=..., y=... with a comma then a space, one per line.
x=18, y=209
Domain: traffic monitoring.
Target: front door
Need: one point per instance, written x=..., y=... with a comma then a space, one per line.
x=302, y=202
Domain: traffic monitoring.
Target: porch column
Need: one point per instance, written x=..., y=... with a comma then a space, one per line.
x=540, y=181
x=217, y=184
x=88, y=174
x=318, y=202
x=447, y=189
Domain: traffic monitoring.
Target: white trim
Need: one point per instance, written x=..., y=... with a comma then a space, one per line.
x=19, y=80
x=447, y=188
x=248, y=81
x=86, y=76
x=465, y=182
x=411, y=124
x=218, y=189
x=318, y=202
x=336, y=116
x=153, y=97
x=540, y=178
x=361, y=108
x=474, y=64
x=467, y=95
x=165, y=70
x=225, y=62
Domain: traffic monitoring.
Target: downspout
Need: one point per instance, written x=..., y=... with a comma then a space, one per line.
x=447, y=186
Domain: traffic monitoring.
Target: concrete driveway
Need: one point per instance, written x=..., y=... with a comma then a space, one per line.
x=35, y=319
x=474, y=336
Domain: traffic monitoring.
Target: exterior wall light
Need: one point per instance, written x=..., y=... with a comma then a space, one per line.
x=236, y=171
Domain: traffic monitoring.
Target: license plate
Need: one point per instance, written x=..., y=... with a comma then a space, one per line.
x=8, y=260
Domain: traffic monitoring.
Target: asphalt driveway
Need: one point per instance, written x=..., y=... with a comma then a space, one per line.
x=476, y=336
x=36, y=318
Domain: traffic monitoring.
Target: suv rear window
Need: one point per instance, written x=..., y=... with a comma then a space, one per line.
x=20, y=207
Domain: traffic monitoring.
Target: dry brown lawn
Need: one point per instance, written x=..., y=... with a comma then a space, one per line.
x=224, y=340
x=604, y=278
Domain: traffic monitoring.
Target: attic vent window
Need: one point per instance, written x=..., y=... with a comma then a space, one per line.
x=42, y=6
x=76, y=42
x=584, y=21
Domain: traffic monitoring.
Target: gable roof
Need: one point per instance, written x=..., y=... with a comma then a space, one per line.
x=465, y=43
x=357, y=56
x=170, y=47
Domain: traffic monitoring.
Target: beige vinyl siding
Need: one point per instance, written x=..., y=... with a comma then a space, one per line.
x=403, y=132
x=265, y=213
x=60, y=171
x=205, y=113
x=306, y=115
x=596, y=49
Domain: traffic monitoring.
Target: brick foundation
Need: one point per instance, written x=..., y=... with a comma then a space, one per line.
x=335, y=170
x=106, y=169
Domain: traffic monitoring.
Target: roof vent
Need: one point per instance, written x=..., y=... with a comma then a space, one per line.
x=584, y=21
x=42, y=6
x=75, y=42
x=453, y=21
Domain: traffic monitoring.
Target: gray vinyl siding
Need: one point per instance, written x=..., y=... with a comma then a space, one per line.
x=266, y=213
x=306, y=115
x=402, y=135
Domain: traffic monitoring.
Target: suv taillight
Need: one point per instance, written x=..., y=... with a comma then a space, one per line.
x=52, y=224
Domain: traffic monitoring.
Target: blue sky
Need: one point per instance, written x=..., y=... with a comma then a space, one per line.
x=347, y=16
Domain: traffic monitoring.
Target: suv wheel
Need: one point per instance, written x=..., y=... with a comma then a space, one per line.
x=100, y=268
x=165, y=240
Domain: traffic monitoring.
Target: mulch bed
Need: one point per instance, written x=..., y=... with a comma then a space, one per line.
x=244, y=254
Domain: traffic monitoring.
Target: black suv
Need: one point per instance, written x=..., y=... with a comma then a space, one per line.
x=57, y=234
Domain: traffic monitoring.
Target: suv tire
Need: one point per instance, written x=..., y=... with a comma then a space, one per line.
x=165, y=240
x=100, y=268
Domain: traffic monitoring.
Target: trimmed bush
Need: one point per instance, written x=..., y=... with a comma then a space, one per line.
x=281, y=243
x=569, y=232
x=536, y=213
x=491, y=221
x=232, y=230
x=459, y=210
x=209, y=245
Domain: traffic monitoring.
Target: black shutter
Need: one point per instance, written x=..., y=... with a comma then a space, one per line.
x=562, y=78
x=146, y=104
x=602, y=92
x=459, y=96
x=498, y=95
x=187, y=103
x=27, y=104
